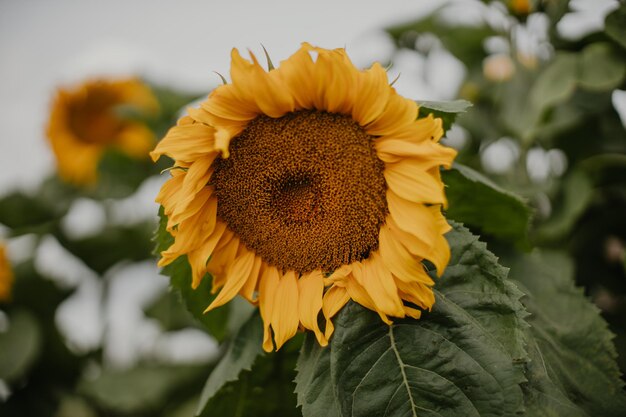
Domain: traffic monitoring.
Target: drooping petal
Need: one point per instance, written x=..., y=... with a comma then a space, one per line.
x=237, y=274
x=379, y=284
x=399, y=260
x=335, y=298
x=267, y=294
x=285, y=317
x=311, y=289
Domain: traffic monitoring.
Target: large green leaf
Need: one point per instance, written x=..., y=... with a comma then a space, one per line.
x=476, y=201
x=572, y=356
x=20, y=345
x=266, y=390
x=315, y=393
x=615, y=25
x=112, y=245
x=464, y=358
x=575, y=196
x=143, y=389
x=241, y=354
x=556, y=83
x=601, y=67
x=447, y=111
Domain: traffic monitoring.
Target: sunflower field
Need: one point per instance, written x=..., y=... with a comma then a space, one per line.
x=322, y=244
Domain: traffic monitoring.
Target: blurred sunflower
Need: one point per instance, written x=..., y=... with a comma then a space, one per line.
x=87, y=120
x=6, y=275
x=306, y=186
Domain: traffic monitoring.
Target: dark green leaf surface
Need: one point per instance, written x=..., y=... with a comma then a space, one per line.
x=601, y=68
x=446, y=110
x=138, y=390
x=477, y=202
x=264, y=391
x=615, y=25
x=20, y=345
x=241, y=353
x=315, y=392
x=463, y=359
x=576, y=195
x=572, y=355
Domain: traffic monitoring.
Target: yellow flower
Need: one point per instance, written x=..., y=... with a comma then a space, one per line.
x=85, y=121
x=6, y=276
x=306, y=186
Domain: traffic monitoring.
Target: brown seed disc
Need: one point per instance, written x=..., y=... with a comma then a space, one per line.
x=305, y=191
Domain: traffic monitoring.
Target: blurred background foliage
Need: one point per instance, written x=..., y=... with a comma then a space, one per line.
x=543, y=139
x=544, y=125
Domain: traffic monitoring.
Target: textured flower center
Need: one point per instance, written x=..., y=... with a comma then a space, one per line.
x=305, y=191
x=92, y=119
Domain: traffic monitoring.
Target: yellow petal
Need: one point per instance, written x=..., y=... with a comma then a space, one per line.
x=236, y=276
x=335, y=80
x=221, y=259
x=334, y=299
x=297, y=73
x=270, y=95
x=372, y=94
x=248, y=289
x=416, y=293
x=413, y=218
x=399, y=113
x=186, y=143
x=169, y=194
x=199, y=258
x=197, y=177
x=310, y=289
x=413, y=182
x=358, y=294
x=267, y=291
x=379, y=284
x=399, y=261
x=285, y=318
x=427, y=154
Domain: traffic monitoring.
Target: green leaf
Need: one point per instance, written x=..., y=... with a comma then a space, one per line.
x=140, y=389
x=20, y=345
x=615, y=25
x=476, y=201
x=267, y=390
x=572, y=355
x=315, y=393
x=465, y=42
x=556, y=83
x=112, y=245
x=602, y=69
x=241, y=353
x=215, y=321
x=169, y=310
x=575, y=196
x=465, y=358
x=36, y=213
x=447, y=111
x=119, y=175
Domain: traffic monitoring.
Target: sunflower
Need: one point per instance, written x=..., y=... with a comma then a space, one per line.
x=305, y=186
x=6, y=275
x=85, y=121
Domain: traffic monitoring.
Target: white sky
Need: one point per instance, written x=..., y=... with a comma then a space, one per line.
x=44, y=43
